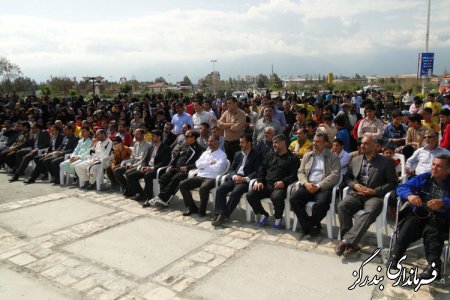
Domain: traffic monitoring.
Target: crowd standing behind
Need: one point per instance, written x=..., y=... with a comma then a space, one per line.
x=319, y=139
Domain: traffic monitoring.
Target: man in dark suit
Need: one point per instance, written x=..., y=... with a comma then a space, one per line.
x=158, y=156
x=370, y=177
x=50, y=161
x=40, y=140
x=181, y=163
x=168, y=137
x=244, y=168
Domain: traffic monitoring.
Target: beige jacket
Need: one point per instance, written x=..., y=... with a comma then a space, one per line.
x=332, y=172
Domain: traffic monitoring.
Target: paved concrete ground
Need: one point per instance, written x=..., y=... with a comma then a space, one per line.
x=63, y=243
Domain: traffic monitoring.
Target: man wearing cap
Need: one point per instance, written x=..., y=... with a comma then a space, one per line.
x=370, y=124
x=277, y=171
x=158, y=156
x=434, y=105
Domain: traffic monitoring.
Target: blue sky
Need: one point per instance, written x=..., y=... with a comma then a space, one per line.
x=148, y=39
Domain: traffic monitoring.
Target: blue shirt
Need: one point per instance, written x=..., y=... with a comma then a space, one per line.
x=343, y=135
x=179, y=120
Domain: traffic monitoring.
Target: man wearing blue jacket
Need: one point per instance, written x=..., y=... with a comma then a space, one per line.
x=428, y=214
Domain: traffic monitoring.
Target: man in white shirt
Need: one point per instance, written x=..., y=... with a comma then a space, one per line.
x=421, y=160
x=344, y=156
x=211, y=163
x=87, y=170
x=200, y=116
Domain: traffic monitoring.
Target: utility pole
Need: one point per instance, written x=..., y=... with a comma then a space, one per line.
x=427, y=38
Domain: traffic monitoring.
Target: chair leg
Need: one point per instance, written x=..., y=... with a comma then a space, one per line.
x=287, y=213
x=379, y=231
x=248, y=211
x=294, y=223
x=329, y=225
x=446, y=258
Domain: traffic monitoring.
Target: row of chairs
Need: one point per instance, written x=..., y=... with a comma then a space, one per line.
x=381, y=223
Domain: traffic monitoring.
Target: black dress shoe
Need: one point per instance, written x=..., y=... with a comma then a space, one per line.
x=15, y=178
x=202, y=213
x=91, y=186
x=190, y=211
x=428, y=273
x=220, y=220
x=139, y=198
x=313, y=232
x=28, y=181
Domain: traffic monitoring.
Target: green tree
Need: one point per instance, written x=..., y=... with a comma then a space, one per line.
x=45, y=90
x=126, y=88
x=8, y=70
x=262, y=81
x=61, y=85
x=186, y=80
x=160, y=80
x=276, y=81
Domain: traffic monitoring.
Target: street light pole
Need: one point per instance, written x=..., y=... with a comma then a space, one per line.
x=94, y=80
x=427, y=38
x=213, y=75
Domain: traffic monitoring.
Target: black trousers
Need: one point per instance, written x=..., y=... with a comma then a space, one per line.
x=133, y=185
x=23, y=159
x=120, y=174
x=205, y=184
x=434, y=232
x=52, y=166
x=231, y=147
x=276, y=196
x=148, y=178
x=237, y=190
x=40, y=166
x=301, y=197
x=169, y=183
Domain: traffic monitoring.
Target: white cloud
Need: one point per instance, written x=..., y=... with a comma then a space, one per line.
x=302, y=28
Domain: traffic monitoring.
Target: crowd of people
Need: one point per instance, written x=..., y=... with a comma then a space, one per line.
x=320, y=140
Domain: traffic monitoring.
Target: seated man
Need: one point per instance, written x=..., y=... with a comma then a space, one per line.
x=121, y=153
x=81, y=152
x=50, y=161
x=244, y=167
x=87, y=170
x=426, y=215
x=158, y=156
x=370, y=176
x=211, y=163
x=265, y=145
x=277, y=171
x=344, y=156
x=40, y=139
x=182, y=162
x=301, y=145
x=137, y=158
x=319, y=172
x=421, y=160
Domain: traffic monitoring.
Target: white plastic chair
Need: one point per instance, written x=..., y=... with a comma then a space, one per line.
x=401, y=167
x=194, y=172
x=331, y=214
x=63, y=176
x=380, y=221
x=287, y=205
x=106, y=162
